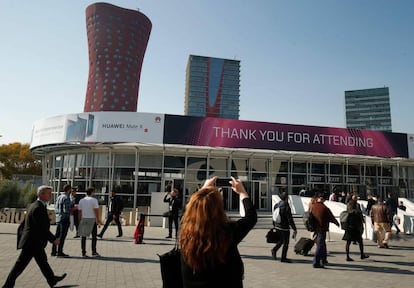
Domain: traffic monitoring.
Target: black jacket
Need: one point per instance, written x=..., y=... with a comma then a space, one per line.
x=116, y=205
x=285, y=216
x=174, y=204
x=36, y=231
x=231, y=273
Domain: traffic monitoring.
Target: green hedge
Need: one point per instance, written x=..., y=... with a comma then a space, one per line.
x=16, y=195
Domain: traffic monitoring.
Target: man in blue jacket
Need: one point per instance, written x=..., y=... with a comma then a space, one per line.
x=62, y=210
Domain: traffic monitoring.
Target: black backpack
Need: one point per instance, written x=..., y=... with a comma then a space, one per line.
x=309, y=221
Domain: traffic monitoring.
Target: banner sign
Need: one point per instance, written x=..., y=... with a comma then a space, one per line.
x=134, y=127
x=109, y=127
x=219, y=132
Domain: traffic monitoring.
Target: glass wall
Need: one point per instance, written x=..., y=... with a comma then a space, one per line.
x=136, y=174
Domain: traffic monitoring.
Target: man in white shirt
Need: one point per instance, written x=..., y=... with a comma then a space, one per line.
x=88, y=221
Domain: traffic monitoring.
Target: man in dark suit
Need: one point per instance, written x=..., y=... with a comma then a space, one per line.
x=114, y=211
x=36, y=233
x=174, y=204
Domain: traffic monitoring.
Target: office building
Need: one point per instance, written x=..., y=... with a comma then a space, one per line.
x=117, y=40
x=368, y=109
x=212, y=87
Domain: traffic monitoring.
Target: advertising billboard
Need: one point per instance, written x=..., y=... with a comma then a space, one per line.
x=219, y=132
x=111, y=127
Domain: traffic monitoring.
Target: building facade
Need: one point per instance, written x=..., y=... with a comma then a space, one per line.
x=368, y=109
x=117, y=40
x=139, y=153
x=212, y=87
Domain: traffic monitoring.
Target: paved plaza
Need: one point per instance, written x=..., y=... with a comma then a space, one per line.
x=125, y=264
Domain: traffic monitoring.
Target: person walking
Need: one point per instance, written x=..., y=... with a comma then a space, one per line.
x=282, y=226
x=74, y=205
x=370, y=201
x=114, y=211
x=208, y=238
x=174, y=205
x=354, y=229
x=392, y=205
x=36, y=233
x=323, y=216
x=333, y=196
x=381, y=219
x=89, y=219
x=62, y=211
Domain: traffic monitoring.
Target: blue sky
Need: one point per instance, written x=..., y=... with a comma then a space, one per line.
x=297, y=57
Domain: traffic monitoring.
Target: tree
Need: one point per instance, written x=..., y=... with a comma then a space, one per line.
x=16, y=158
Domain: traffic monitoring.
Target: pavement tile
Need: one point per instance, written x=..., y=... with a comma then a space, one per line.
x=125, y=264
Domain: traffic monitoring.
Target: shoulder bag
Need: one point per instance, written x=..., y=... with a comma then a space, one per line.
x=170, y=263
x=272, y=236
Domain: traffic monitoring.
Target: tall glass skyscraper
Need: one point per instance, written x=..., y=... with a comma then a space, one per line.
x=368, y=109
x=212, y=87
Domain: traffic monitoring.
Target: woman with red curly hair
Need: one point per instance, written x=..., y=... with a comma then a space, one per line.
x=209, y=239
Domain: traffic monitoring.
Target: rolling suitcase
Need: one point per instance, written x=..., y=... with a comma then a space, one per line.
x=303, y=246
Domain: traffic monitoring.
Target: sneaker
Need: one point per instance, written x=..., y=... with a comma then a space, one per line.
x=349, y=259
x=316, y=265
x=169, y=236
x=96, y=254
x=85, y=256
x=99, y=236
x=324, y=262
x=53, y=254
x=273, y=253
x=119, y=235
x=364, y=256
x=386, y=245
x=62, y=255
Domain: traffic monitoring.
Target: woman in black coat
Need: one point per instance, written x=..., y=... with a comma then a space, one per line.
x=354, y=229
x=208, y=239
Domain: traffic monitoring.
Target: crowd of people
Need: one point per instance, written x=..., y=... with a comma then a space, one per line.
x=209, y=252
x=70, y=209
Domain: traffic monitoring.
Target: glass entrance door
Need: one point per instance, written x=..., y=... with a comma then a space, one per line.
x=259, y=195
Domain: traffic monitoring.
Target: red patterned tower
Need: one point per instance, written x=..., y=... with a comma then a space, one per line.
x=117, y=40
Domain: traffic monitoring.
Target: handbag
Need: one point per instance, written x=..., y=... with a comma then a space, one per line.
x=272, y=236
x=170, y=263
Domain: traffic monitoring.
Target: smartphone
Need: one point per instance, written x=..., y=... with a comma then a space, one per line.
x=223, y=182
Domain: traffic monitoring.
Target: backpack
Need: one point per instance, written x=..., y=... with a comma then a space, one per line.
x=309, y=221
x=277, y=219
x=343, y=218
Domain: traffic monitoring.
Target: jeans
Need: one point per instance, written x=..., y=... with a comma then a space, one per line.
x=320, y=252
x=62, y=228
